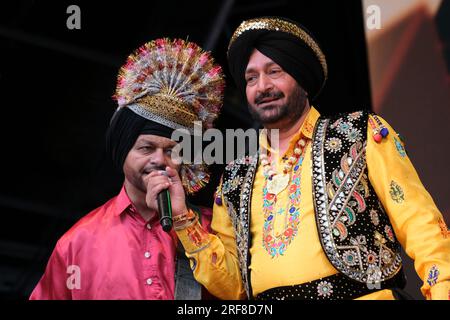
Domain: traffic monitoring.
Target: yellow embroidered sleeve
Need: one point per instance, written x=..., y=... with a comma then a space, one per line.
x=213, y=257
x=417, y=222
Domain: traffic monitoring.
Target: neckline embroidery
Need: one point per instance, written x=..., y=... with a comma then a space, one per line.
x=276, y=244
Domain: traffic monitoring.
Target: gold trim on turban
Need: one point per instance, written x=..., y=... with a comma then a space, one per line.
x=275, y=24
x=171, y=108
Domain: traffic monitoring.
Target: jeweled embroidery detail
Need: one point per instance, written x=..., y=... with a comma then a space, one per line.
x=433, y=276
x=276, y=244
x=374, y=274
x=356, y=203
x=354, y=116
x=353, y=135
x=359, y=242
x=333, y=145
x=344, y=127
x=374, y=217
x=232, y=183
x=350, y=258
x=371, y=257
x=400, y=148
x=396, y=192
x=324, y=289
x=386, y=255
x=389, y=233
x=218, y=194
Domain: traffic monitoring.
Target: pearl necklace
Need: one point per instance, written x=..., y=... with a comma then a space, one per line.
x=275, y=182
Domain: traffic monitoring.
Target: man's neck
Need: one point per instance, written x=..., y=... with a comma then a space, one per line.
x=287, y=131
x=137, y=198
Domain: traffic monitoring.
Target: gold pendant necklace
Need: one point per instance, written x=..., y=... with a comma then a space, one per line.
x=276, y=183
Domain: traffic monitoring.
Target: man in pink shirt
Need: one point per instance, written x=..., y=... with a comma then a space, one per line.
x=120, y=251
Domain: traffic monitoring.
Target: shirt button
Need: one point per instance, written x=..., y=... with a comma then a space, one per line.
x=149, y=227
x=149, y=281
x=147, y=254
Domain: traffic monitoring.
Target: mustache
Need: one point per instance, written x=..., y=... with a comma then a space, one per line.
x=268, y=94
x=154, y=168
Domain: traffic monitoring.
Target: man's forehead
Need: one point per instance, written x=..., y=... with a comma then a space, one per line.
x=156, y=140
x=258, y=59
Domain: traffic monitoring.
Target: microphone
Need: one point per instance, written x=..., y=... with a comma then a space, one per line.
x=165, y=210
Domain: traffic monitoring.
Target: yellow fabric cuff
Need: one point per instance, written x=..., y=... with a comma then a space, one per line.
x=440, y=291
x=194, y=238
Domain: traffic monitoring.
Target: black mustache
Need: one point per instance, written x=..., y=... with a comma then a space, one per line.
x=275, y=95
x=154, y=168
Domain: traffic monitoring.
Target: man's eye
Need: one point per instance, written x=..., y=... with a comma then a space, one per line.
x=274, y=71
x=250, y=79
x=168, y=152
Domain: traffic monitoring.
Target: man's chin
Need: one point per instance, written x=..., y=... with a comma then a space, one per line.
x=270, y=117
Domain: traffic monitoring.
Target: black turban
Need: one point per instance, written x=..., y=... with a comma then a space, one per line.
x=123, y=131
x=287, y=43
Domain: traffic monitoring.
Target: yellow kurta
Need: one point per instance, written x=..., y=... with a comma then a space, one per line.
x=417, y=223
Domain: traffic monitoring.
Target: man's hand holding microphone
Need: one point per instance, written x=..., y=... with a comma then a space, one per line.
x=165, y=194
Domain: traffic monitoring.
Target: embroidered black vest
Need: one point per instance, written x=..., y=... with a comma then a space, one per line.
x=353, y=228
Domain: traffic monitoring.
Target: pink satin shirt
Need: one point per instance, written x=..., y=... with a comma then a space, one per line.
x=111, y=253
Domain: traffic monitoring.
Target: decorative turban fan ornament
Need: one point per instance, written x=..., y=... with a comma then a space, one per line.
x=174, y=83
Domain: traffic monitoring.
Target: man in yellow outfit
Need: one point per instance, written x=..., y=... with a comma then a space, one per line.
x=322, y=212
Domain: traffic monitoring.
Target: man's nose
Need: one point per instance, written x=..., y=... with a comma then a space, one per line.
x=264, y=83
x=158, y=158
